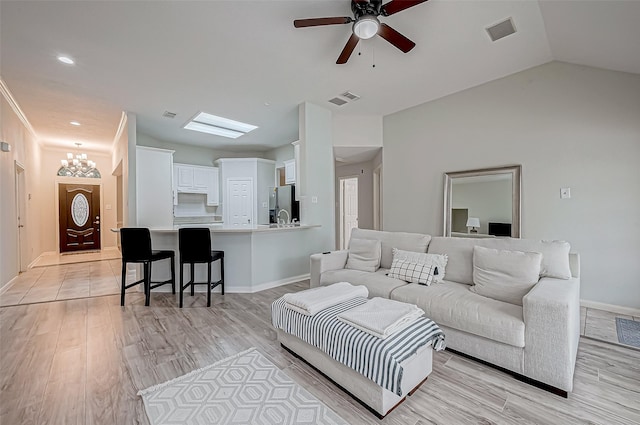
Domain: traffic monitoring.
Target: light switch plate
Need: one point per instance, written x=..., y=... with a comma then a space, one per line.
x=314, y=199
x=565, y=193
x=108, y=206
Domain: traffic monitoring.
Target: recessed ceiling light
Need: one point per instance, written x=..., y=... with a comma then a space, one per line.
x=66, y=59
x=74, y=123
x=219, y=126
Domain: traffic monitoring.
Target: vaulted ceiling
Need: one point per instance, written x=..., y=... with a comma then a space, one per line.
x=244, y=60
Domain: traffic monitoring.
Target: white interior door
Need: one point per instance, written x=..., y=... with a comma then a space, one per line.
x=240, y=203
x=348, y=209
x=21, y=214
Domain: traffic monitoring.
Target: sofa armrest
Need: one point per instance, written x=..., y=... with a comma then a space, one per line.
x=551, y=313
x=320, y=263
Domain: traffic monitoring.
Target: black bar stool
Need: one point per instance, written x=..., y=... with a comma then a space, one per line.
x=195, y=247
x=136, y=248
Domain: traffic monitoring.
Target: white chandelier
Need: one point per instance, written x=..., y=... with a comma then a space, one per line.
x=78, y=166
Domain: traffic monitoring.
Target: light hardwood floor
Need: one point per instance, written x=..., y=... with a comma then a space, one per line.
x=82, y=362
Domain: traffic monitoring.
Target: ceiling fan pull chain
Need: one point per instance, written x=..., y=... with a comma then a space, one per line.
x=373, y=56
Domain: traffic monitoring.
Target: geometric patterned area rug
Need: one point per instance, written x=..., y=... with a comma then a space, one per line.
x=628, y=332
x=242, y=389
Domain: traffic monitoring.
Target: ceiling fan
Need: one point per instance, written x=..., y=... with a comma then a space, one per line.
x=366, y=24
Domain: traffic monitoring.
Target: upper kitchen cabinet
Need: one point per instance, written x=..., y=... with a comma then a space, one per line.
x=154, y=197
x=198, y=179
x=290, y=171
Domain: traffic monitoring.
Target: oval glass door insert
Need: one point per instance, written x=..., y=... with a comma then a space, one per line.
x=80, y=210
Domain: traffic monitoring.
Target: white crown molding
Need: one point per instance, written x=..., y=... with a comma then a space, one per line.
x=121, y=125
x=16, y=108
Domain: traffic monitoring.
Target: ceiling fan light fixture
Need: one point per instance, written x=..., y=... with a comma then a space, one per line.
x=366, y=27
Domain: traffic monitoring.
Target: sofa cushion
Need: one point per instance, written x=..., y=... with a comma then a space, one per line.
x=389, y=240
x=378, y=283
x=364, y=254
x=451, y=304
x=411, y=272
x=436, y=260
x=504, y=275
x=555, y=255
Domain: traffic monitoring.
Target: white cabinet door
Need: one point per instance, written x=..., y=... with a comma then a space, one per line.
x=154, y=187
x=202, y=179
x=290, y=171
x=185, y=178
x=240, y=203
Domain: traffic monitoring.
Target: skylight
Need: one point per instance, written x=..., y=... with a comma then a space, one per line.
x=211, y=124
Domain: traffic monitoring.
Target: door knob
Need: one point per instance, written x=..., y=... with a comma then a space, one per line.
x=20, y=225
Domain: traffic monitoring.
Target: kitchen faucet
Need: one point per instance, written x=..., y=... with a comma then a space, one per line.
x=288, y=217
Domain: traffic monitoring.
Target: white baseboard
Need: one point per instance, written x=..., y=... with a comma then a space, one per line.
x=266, y=285
x=7, y=285
x=228, y=289
x=629, y=311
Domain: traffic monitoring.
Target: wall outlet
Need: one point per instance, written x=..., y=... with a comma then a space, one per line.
x=565, y=193
x=314, y=199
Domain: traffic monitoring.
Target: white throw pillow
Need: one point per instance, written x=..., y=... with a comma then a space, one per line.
x=364, y=255
x=438, y=261
x=504, y=275
x=411, y=272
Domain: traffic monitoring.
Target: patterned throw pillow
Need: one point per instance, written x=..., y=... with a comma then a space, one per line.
x=411, y=272
x=438, y=261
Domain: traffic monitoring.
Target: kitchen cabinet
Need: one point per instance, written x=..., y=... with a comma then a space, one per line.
x=290, y=171
x=154, y=182
x=197, y=179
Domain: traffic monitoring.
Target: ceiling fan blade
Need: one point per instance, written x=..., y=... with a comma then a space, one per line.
x=395, y=6
x=348, y=49
x=314, y=22
x=395, y=38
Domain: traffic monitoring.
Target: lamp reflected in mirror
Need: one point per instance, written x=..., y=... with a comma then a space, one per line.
x=473, y=223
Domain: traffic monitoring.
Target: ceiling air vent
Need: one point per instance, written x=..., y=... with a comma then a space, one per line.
x=350, y=96
x=501, y=30
x=168, y=114
x=337, y=101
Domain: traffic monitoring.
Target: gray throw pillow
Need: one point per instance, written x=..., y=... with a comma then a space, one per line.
x=364, y=255
x=504, y=275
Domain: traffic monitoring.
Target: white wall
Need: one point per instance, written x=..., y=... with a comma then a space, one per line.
x=569, y=126
x=194, y=155
x=317, y=175
x=26, y=150
x=357, y=130
x=280, y=154
x=364, y=172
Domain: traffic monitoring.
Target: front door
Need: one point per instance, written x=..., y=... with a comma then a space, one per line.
x=79, y=207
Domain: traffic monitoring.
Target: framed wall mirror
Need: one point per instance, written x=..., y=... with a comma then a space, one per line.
x=483, y=203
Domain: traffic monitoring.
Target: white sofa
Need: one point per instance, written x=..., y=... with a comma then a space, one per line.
x=537, y=341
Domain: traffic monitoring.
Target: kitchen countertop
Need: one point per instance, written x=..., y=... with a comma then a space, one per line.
x=220, y=228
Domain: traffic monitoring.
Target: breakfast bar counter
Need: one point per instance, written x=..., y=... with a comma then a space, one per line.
x=255, y=259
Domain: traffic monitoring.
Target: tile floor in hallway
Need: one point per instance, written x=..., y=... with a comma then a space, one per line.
x=65, y=282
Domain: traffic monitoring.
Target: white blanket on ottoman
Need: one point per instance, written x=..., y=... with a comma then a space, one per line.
x=311, y=301
x=381, y=317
